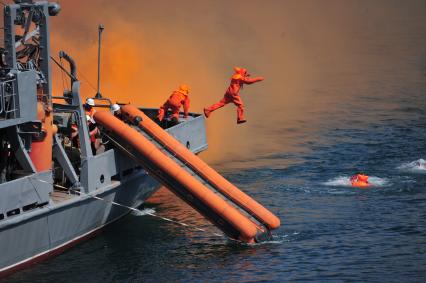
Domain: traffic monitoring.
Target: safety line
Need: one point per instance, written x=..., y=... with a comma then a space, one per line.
x=86, y=79
x=136, y=210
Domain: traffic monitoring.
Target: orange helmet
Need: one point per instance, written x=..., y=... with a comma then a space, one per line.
x=240, y=71
x=184, y=89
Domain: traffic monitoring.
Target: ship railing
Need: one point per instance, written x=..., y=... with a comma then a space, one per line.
x=8, y=103
x=1, y=104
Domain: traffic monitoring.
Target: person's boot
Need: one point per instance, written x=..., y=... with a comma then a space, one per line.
x=207, y=112
x=240, y=115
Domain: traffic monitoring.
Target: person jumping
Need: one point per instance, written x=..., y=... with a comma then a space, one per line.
x=238, y=80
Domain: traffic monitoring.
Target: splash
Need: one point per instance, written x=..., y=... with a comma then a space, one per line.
x=343, y=181
x=417, y=166
x=277, y=239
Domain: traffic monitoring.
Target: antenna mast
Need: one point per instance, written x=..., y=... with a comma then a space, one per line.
x=100, y=30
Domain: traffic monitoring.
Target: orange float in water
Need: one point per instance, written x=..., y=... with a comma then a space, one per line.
x=359, y=180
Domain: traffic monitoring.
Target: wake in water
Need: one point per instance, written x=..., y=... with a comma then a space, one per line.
x=277, y=239
x=344, y=181
x=418, y=166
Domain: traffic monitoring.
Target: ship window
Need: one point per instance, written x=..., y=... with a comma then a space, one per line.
x=1, y=216
x=188, y=145
x=13, y=212
x=29, y=207
x=102, y=179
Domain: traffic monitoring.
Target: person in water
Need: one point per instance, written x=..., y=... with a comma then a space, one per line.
x=178, y=99
x=359, y=180
x=238, y=80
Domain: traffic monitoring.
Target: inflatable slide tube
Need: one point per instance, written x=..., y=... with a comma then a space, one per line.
x=168, y=172
x=244, y=201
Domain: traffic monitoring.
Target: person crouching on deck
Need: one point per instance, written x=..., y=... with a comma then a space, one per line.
x=178, y=99
x=238, y=80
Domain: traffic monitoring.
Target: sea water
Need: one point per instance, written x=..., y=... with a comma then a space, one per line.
x=330, y=231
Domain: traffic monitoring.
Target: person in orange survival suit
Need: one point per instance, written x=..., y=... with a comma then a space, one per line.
x=176, y=100
x=238, y=80
x=359, y=180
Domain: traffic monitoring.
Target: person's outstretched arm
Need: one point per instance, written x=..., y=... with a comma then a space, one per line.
x=248, y=80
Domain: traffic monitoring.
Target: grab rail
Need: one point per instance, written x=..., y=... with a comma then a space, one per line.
x=1, y=102
x=8, y=107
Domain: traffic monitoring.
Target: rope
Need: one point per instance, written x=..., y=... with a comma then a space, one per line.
x=62, y=74
x=85, y=78
x=136, y=210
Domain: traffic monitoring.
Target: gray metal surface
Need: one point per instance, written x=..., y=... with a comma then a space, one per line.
x=17, y=194
x=42, y=230
x=191, y=133
x=18, y=99
x=36, y=220
x=36, y=232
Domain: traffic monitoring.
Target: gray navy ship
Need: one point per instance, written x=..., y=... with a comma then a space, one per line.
x=56, y=190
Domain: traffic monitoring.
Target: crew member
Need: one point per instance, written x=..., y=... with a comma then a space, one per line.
x=116, y=110
x=239, y=78
x=359, y=180
x=74, y=135
x=89, y=107
x=93, y=134
x=178, y=99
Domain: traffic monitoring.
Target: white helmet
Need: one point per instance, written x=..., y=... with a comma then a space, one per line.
x=115, y=107
x=90, y=101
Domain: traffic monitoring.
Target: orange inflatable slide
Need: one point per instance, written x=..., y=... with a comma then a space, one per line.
x=222, y=185
x=227, y=212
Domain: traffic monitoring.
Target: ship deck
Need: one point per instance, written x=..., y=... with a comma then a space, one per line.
x=58, y=196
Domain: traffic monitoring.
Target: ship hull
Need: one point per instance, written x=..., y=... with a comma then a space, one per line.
x=63, y=220
x=55, y=228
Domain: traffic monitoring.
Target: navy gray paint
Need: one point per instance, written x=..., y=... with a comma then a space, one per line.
x=32, y=224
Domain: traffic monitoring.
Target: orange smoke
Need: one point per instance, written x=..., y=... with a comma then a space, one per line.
x=306, y=50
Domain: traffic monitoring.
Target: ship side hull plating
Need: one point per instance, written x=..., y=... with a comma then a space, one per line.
x=35, y=235
x=53, y=229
